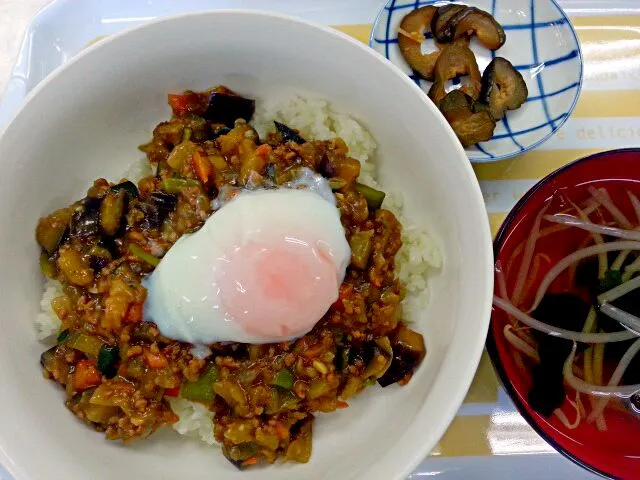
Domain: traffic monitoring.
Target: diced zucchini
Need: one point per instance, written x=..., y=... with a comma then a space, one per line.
x=374, y=197
x=128, y=187
x=87, y=344
x=283, y=378
x=175, y=185
x=140, y=253
x=361, y=245
x=202, y=389
x=48, y=266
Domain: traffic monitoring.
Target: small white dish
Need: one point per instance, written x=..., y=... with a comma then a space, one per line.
x=542, y=45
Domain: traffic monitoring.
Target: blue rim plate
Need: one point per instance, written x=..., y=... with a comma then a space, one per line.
x=541, y=43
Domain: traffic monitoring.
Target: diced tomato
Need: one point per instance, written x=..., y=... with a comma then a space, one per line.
x=202, y=167
x=181, y=104
x=250, y=461
x=86, y=375
x=172, y=392
x=263, y=150
x=342, y=404
x=134, y=313
x=155, y=360
x=345, y=291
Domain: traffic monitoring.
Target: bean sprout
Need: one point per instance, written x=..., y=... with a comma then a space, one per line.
x=560, y=332
x=610, y=390
x=559, y=267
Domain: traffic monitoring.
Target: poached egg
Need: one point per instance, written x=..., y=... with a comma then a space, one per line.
x=264, y=268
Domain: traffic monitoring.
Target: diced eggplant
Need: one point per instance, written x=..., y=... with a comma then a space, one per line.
x=401, y=365
x=145, y=332
x=478, y=127
x=226, y=108
x=111, y=245
x=112, y=210
x=411, y=341
x=299, y=450
x=381, y=359
x=108, y=359
x=100, y=257
x=74, y=267
x=218, y=132
x=47, y=358
x=440, y=24
x=473, y=21
x=152, y=219
x=239, y=454
x=165, y=202
x=503, y=87
x=52, y=228
x=86, y=220
x=361, y=354
x=408, y=351
x=289, y=134
x=454, y=61
x=128, y=187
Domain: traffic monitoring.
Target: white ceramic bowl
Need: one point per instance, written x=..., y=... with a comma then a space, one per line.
x=86, y=120
x=541, y=43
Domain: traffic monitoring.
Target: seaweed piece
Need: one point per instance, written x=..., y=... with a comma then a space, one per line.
x=86, y=221
x=561, y=310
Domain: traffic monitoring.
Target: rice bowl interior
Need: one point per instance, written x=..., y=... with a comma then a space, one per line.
x=76, y=143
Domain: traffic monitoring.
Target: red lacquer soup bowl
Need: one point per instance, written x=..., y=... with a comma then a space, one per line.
x=615, y=451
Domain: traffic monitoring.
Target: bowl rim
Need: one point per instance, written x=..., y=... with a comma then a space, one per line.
x=559, y=125
x=404, y=460
x=492, y=347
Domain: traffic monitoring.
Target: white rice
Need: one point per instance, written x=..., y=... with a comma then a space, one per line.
x=314, y=119
x=195, y=420
x=47, y=322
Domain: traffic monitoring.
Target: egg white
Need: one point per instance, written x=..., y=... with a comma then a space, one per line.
x=183, y=292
